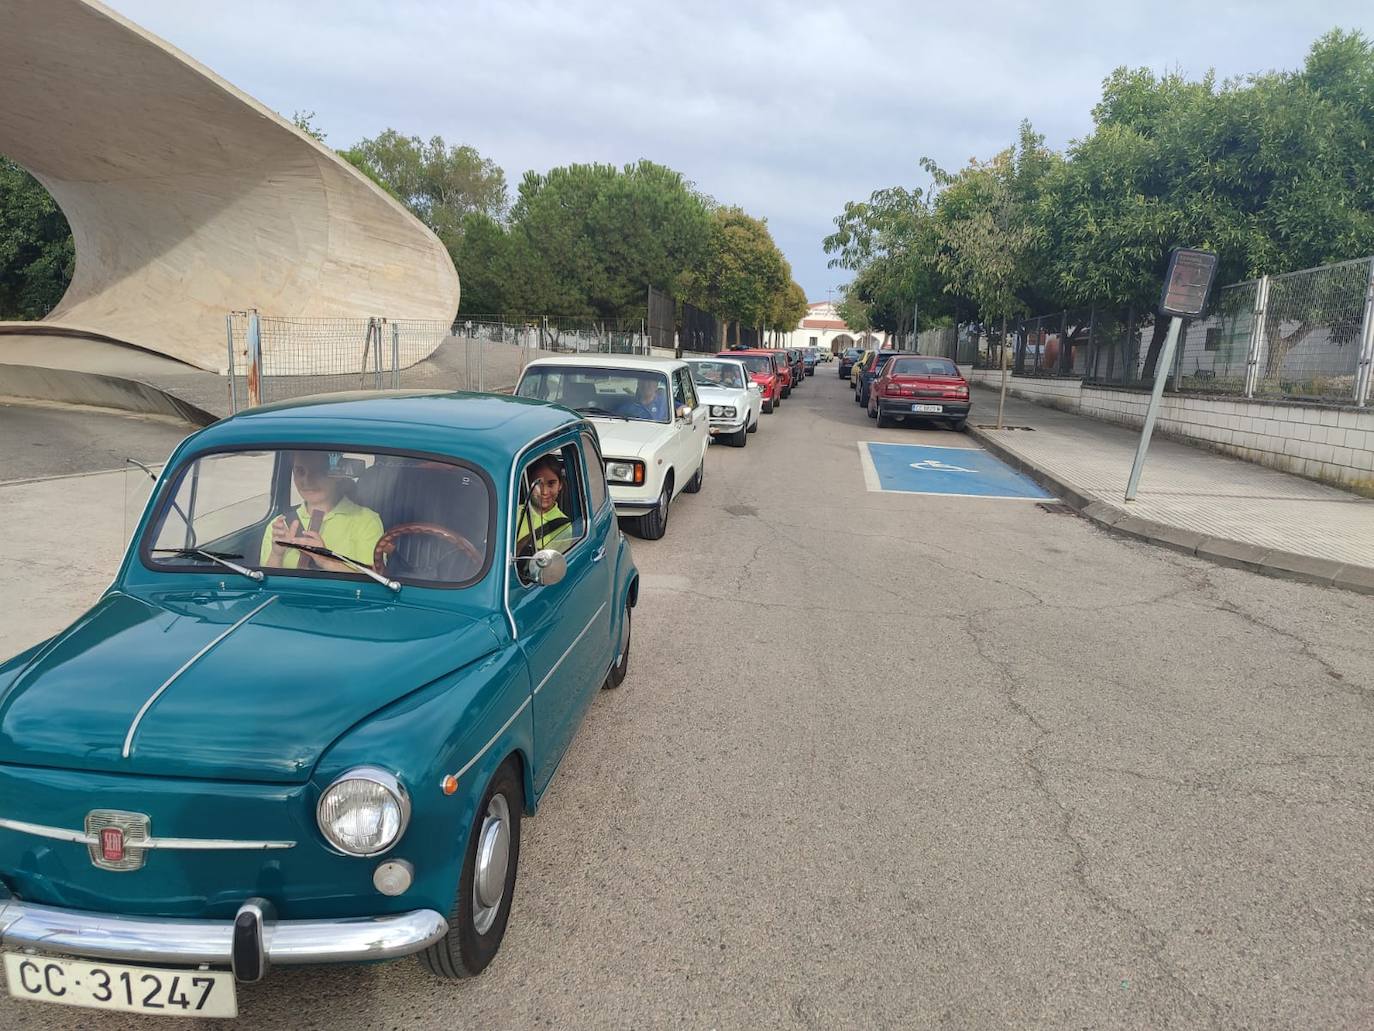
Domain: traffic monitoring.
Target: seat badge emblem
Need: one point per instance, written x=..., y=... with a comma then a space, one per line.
x=112, y=844
x=114, y=839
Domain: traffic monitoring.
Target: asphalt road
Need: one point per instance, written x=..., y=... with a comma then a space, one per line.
x=38, y=439
x=889, y=760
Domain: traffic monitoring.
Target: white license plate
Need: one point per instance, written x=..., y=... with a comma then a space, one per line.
x=111, y=986
x=928, y=408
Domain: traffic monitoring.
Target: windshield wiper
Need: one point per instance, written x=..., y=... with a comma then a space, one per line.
x=597, y=410
x=218, y=557
x=362, y=567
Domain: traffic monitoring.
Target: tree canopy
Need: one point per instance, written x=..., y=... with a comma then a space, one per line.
x=36, y=255
x=1273, y=171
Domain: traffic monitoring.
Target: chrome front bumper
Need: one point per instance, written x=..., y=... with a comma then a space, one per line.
x=249, y=944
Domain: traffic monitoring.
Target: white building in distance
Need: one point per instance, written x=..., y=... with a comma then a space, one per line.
x=822, y=327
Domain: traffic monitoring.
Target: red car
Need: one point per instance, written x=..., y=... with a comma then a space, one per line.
x=763, y=370
x=917, y=386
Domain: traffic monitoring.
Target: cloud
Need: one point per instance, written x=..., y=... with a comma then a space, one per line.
x=787, y=109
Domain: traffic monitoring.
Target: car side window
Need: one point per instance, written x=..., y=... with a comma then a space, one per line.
x=682, y=390
x=550, y=509
x=596, y=473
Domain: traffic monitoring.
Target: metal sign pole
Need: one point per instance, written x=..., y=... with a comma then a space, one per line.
x=1161, y=374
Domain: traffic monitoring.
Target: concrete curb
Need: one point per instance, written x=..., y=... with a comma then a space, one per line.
x=104, y=391
x=1285, y=565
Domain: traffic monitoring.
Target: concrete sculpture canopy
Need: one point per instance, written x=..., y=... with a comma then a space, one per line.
x=188, y=199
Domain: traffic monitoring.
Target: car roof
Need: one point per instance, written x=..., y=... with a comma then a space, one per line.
x=486, y=428
x=611, y=361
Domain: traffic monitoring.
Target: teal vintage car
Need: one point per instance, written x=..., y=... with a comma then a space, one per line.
x=348, y=645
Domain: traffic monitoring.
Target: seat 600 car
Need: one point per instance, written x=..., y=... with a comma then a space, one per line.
x=344, y=653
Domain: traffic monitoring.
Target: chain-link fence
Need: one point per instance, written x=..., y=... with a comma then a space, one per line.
x=298, y=357
x=1307, y=335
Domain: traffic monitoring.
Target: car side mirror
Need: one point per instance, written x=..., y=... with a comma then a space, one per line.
x=684, y=411
x=548, y=567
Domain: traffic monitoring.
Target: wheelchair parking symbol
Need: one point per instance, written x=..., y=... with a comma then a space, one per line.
x=935, y=465
x=957, y=472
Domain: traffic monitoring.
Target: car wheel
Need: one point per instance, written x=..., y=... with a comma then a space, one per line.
x=754, y=426
x=883, y=421
x=957, y=425
x=653, y=525
x=768, y=407
x=739, y=438
x=786, y=391
x=694, y=484
x=486, y=887
x=622, y=665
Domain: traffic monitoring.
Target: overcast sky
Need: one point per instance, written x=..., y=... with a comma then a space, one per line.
x=786, y=109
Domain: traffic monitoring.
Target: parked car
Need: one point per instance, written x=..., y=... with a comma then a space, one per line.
x=734, y=400
x=855, y=370
x=266, y=744
x=654, y=429
x=846, y=360
x=763, y=370
x=914, y=386
x=868, y=371
x=810, y=356
x=783, y=368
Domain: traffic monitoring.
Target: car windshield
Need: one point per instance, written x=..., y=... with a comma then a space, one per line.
x=717, y=374
x=634, y=394
x=757, y=364
x=922, y=367
x=324, y=513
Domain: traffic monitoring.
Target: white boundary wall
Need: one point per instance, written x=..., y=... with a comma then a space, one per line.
x=1335, y=445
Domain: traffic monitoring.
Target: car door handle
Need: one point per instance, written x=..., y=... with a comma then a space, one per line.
x=599, y=554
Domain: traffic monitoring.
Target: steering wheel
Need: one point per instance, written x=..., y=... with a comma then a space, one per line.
x=386, y=546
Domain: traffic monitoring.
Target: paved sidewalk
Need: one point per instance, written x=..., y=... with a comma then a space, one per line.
x=1234, y=512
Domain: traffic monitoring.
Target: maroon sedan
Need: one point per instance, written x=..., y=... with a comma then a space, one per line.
x=917, y=386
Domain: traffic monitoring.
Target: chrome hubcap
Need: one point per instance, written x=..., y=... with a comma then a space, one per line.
x=663, y=504
x=493, y=858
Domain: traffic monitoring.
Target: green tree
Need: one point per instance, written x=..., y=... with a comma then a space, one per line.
x=591, y=239
x=439, y=183
x=482, y=256
x=36, y=254
x=305, y=122
x=743, y=273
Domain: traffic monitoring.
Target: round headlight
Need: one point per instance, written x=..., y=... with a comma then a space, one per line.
x=364, y=812
x=715, y=409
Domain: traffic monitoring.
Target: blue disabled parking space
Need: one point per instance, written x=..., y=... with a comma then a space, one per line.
x=953, y=471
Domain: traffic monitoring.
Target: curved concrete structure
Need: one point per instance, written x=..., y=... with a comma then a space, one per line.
x=188, y=199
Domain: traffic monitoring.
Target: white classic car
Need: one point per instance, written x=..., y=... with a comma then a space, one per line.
x=735, y=401
x=653, y=426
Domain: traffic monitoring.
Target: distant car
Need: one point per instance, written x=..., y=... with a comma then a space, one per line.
x=810, y=356
x=868, y=372
x=784, y=368
x=763, y=370
x=735, y=400
x=653, y=427
x=855, y=370
x=255, y=751
x=912, y=386
x=847, y=358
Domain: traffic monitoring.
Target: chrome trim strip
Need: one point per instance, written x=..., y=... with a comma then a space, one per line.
x=38, y=830
x=26, y=925
x=554, y=668
x=133, y=727
x=494, y=738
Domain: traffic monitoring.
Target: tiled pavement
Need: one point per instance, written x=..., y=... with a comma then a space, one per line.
x=1196, y=494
